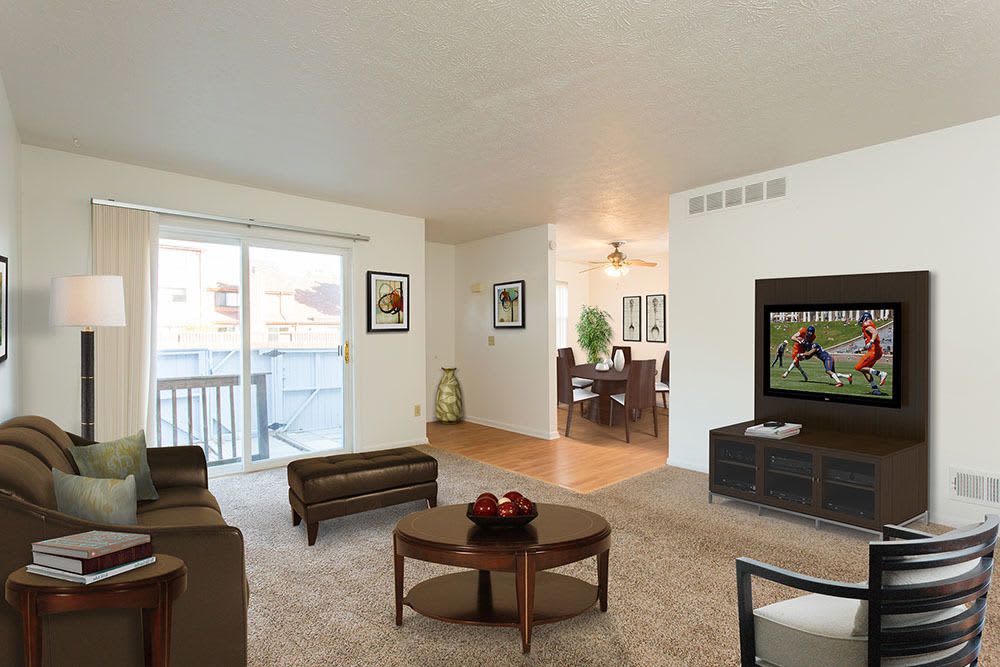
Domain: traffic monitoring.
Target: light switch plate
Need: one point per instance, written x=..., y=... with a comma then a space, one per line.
x=491, y=340
x=416, y=410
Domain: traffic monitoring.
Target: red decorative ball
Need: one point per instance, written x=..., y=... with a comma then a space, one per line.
x=524, y=506
x=487, y=495
x=485, y=507
x=507, y=510
x=512, y=495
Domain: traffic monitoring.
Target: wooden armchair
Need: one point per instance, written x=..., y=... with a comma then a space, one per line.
x=924, y=606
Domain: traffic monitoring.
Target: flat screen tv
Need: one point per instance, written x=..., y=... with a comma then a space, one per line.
x=845, y=353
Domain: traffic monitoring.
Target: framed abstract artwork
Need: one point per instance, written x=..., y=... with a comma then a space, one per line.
x=4, y=308
x=508, y=305
x=388, y=302
x=656, y=318
x=632, y=318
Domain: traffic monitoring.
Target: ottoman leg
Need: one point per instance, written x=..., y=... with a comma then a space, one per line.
x=312, y=529
x=296, y=519
x=432, y=502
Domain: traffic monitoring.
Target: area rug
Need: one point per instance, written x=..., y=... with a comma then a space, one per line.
x=672, y=597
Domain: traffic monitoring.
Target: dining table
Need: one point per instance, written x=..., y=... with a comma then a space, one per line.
x=605, y=384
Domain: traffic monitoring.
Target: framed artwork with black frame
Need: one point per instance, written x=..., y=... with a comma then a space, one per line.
x=4, y=308
x=656, y=318
x=508, y=305
x=388, y=302
x=632, y=319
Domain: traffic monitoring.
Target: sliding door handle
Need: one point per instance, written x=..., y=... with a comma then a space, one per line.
x=347, y=352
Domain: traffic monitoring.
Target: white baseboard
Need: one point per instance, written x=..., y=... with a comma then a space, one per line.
x=413, y=442
x=514, y=428
x=697, y=466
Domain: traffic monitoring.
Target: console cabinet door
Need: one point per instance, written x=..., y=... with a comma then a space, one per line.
x=734, y=468
x=790, y=477
x=848, y=490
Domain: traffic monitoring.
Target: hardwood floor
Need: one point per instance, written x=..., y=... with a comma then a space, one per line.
x=594, y=457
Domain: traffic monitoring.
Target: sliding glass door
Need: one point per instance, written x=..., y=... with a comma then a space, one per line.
x=251, y=343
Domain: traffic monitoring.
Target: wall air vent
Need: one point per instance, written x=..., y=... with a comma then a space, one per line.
x=776, y=188
x=975, y=486
x=750, y=193
x=696, y=205
x=714, y=200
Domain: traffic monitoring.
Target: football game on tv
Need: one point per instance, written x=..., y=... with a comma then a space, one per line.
x=839, y=353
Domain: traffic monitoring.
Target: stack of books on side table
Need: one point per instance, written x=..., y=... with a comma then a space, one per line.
x=775, y=430
x=88, y=557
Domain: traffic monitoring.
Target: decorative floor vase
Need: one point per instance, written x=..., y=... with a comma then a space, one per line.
x=448, y=406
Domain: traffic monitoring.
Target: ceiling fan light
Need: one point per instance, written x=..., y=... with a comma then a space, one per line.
x=616, y=271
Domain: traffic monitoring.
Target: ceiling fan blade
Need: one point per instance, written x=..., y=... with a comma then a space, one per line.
x=639, y=262
x=593, y=268
x=603, y=261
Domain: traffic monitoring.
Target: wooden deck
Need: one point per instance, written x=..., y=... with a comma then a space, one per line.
x=594, y=457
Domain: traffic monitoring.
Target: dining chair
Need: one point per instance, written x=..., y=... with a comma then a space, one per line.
x=567, y=393
x=581, y=383
x=626, y=350
x=663, y=386
x=923, y=605
x=639, y=393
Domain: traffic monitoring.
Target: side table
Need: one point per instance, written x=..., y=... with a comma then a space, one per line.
x=152, y=588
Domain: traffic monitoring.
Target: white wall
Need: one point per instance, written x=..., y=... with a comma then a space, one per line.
x=440, y=299
x=510, y=385
x=926, y=202
x=10, y=149
x=607, y=292
x=579, y=296
x=56, y=192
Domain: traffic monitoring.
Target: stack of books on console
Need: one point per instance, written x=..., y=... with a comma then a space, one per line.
x=92, y=556
x=775, y=430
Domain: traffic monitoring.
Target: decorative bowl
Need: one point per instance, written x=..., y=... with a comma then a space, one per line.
x=501, y=522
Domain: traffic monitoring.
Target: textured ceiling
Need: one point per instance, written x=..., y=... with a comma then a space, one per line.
x=485, y=116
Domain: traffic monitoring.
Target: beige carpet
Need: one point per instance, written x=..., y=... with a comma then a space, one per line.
x=672, y=586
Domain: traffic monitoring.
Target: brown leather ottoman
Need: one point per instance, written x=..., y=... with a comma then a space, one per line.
x=330, y=486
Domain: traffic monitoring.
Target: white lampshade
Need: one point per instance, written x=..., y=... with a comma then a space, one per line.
x=87, y=301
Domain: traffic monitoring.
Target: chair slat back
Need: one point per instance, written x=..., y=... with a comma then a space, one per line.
x=935, y=574
x=665, y=369
x=564, y=382
x=567, y=352
x=626, y=351
x=640, y=387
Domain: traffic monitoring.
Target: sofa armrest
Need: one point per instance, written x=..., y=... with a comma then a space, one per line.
x=178, y=466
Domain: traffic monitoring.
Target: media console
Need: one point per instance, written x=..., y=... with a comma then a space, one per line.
x=840, y=477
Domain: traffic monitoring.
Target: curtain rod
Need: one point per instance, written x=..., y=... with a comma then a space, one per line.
x=246, y=222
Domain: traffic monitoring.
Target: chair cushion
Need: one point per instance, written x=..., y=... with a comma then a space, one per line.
x=582, y=383
x=618, y=398
x=117, y=459
x=96, y=499
x=181, y=496
x=583, y=395
x=181, y=516
x=316, y=480
x=662, y=386
x=817, y=631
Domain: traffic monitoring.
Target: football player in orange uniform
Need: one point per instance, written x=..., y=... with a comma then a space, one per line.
x=873, y=352
x=801, y=340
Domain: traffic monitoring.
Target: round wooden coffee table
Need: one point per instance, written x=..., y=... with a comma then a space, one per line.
x=507, y=585
x=152, y=588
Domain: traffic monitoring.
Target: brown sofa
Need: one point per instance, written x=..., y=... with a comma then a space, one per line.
x=209, y=619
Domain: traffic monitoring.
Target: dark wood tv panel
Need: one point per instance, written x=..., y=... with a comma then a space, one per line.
x=860, y=465
x=840, y=477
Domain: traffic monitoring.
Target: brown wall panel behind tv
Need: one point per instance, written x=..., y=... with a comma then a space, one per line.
x=910, y=290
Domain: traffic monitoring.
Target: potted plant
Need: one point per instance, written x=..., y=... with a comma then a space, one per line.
x=593, y=331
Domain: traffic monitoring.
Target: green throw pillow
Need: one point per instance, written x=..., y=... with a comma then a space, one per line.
x=117, y=460
x=95, y=499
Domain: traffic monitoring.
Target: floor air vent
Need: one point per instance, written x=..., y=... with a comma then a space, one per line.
x=975, y=486
x=738, y=196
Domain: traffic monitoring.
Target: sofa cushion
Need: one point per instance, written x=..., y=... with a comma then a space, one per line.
x=117, y=459
x=181, y=496
x=181, y=516
x=816, y=630
x=27, y=477
x=95, y=499
x=324, y=478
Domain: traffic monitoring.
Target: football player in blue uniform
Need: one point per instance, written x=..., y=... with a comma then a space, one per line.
x=829, y=364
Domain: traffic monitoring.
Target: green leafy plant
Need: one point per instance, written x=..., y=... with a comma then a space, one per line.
x=593, y=331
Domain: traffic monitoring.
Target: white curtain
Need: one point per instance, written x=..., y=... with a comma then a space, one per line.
x=124, y=242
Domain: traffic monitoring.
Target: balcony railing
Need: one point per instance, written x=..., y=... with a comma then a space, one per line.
x=189, y=403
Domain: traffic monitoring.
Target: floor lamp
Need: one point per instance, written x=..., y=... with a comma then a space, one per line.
x=88, y=302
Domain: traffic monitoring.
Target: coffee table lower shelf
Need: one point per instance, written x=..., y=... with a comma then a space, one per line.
x=490, y=598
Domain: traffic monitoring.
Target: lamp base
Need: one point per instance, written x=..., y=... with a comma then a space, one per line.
x=87, y=384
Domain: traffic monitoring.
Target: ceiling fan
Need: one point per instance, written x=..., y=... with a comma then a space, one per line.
x=617, y=264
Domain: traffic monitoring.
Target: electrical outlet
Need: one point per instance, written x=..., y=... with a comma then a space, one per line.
x=491, y=340
x=416, y=410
